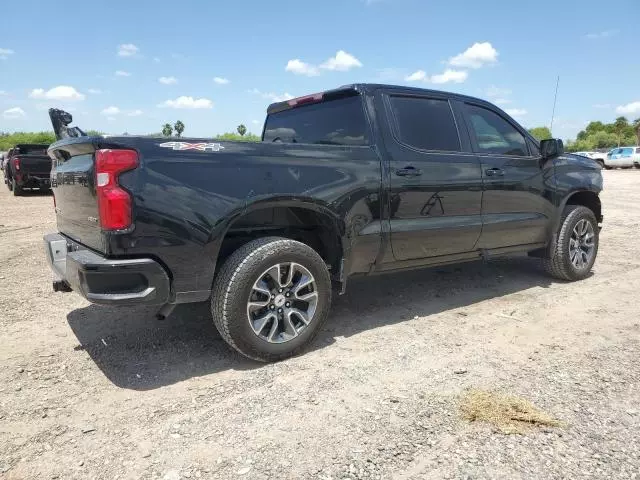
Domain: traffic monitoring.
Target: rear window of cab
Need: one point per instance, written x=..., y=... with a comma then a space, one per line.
x=330, y=122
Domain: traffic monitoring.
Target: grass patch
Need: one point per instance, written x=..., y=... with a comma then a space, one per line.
x=509, y=414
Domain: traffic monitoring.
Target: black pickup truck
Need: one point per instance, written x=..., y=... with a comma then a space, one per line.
x=27, y=166
x=362, y=179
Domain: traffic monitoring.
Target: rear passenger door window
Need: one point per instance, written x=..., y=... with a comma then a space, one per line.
x=425, y=123
x=493, y=134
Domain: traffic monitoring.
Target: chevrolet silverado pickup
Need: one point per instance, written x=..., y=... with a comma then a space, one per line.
x=27, y=166
x=359, y=180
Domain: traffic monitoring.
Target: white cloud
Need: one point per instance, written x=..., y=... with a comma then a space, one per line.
x=516, y=112
x=256, y=122
x=449, y=75
x=127, y=50
x=221, y=80
x=501, y=101
x=603, y=34
x=298, y=67
x=419, y=76
x=12, y=113
x=602, y=105
x=342, y=62
x=168, y=80
x=156, y=59
x=454, y=76
x=3, y=92
x=135, y=113
x=187, y=102
x=94, y=91
x=629, y=108
x=476, y=56
x=121, y=73
x=110, y=111
x=5, y=52
x=272, y=96
x=61, y=92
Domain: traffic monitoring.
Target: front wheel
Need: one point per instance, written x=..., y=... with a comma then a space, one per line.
x=271, y=297
x=576, y=245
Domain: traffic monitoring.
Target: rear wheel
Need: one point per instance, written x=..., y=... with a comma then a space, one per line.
x=17, y=190
x=271, y=297
x=576, y=245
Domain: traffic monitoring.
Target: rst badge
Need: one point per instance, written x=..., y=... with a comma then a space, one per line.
x=203, y=147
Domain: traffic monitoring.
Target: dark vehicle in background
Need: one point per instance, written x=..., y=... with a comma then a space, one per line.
x=359, y=180
x=27, y=166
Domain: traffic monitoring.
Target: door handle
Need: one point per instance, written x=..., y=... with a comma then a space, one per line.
x=494, y=172
x=409, y=172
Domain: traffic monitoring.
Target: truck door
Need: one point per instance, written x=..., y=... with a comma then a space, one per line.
x=517, y=202
x=435, y=180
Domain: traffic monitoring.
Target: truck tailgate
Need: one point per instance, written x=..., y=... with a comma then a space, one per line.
x=73, y=185
x=37, y=165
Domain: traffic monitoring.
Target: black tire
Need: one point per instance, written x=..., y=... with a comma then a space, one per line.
x=233, y=285
x=558, y=263
x=17, y=190
x=601, y=163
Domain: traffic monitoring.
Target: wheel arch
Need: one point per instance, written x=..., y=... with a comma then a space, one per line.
x=309, y=222
x=586, y=198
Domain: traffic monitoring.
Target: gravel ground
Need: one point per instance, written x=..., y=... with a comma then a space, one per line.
x=93, y=392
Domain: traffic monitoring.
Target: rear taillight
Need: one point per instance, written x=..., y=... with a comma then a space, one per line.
x=16, y=163
x=114, y=202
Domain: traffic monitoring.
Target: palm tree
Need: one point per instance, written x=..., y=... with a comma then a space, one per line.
x=179, y=128
x=242, y=130
x=167, y=130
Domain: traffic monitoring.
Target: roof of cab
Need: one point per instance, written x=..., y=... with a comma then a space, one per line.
x=369, y=88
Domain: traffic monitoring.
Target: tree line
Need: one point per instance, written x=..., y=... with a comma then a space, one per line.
x=599, y=135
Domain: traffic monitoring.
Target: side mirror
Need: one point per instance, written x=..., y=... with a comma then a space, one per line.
x=551, y=147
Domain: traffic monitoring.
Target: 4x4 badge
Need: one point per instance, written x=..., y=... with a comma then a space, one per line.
x=203, y=147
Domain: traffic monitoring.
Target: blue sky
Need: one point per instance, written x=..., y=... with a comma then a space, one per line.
x=132, y=66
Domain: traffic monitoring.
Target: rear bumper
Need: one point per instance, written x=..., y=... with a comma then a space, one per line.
x=105, y=281
x=33, y=180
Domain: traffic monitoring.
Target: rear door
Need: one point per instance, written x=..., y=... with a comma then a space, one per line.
x=435, y=181
x=517, y=203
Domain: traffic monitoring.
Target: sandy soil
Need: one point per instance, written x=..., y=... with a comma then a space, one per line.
x=92, y=392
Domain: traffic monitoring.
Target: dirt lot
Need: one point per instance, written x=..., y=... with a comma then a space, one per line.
x=88, y=392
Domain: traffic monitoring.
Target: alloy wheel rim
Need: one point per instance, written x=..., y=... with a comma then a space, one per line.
x=582, y=244
x=282, y=302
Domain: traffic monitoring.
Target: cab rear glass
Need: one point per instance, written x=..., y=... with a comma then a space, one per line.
x=331, y=122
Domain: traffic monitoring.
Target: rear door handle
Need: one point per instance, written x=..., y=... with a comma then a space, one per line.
x=494, y=172
x=409, y=172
